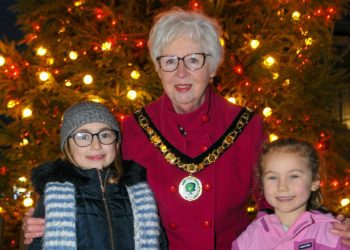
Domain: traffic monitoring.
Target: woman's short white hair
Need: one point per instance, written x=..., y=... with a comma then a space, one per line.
x=176, y=23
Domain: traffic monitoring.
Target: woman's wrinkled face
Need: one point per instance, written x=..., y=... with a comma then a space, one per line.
x=96, y=155
x=185, y=87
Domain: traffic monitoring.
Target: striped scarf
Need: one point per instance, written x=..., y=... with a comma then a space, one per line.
x=59, y=216
x=146, y=220
x=60, y=231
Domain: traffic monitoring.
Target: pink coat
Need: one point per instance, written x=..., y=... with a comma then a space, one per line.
x=219, y=215
x=310, y=231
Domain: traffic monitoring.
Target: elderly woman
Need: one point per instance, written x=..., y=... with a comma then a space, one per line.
x=199, y=150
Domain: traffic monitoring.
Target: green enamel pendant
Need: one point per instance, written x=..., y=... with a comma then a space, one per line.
x=190, y=188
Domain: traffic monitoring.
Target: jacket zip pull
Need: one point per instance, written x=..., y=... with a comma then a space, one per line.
x=102, y=184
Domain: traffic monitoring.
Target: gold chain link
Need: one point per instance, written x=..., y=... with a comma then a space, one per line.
x=173, y=159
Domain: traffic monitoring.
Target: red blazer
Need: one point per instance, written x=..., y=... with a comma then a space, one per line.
x=219, y=215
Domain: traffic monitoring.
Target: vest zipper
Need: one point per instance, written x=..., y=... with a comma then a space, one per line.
x=104, y=198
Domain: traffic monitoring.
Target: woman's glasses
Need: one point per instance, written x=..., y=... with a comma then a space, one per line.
x=192, y=61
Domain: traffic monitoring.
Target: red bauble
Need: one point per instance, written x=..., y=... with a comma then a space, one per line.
x=3, y=170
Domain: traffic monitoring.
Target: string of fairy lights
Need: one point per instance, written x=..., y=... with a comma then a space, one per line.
x=8, y=66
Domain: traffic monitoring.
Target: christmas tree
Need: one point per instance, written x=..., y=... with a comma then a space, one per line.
x=279, y=60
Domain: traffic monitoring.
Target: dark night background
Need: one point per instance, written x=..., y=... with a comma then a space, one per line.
x=8, y=28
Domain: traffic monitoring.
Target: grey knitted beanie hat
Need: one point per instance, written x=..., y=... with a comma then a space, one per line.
x=82, y=113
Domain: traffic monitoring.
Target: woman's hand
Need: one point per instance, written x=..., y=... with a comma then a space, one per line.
x=342, y=229
x=32, y=227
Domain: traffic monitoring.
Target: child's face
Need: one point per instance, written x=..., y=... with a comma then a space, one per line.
x=287, y=183
x=96, y=155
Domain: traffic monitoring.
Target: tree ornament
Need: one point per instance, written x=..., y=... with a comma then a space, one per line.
x=267, y=112
x=28, y=202
x=135, y=74
x=73, y=55
x=3, y=170
x=2, y=61
x=132, y=94
x=26, y=112
x=41, y=51
x=238, y=69
x=106, y=46
x=11, y=104
x=344, y=202
x=44, y=76
x=296, y=16
x=78, y=3
x=232, y=100
x=254, y=43
x=269, y=61
x=88, y=79
x=273, y=137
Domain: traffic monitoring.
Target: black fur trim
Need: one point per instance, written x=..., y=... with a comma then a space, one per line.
x=133, y=173
x=56, y=171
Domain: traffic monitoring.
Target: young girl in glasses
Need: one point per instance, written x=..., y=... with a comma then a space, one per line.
x=288, y=173
x=86, y=199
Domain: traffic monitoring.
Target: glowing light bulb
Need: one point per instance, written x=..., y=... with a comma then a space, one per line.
x=238, y=69
x=11, y=104
x=27, y=112
x=106, y=46
x=22, y=179
x=308, y=41
x=250, y=209
x=286, y=83
x=67, y=83
x=2, y=61
x=254, y=43
x=344, y=202
x=269, y=61
x=41, y=51
x=132, y=94
x=296, y=16
x=135, y=74
x=50, y=61
x=44, y=76
x=1, y=210
x=88, y=79
x=275, y=76
x=222, y=42
x=232, y=100
x=24, y=142
x=95, y=99
x=78, y=3
x=28, y=202
x=273, y=137
x=73, y=55
x=267, y=112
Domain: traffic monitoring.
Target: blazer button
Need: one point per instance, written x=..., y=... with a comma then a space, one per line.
x=207, y=186
x=206, y=224
x=203, y=148
x=172, y=225
x=205, y=118
x=172, y=189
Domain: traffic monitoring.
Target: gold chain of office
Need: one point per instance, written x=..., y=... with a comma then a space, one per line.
x=176, y=160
